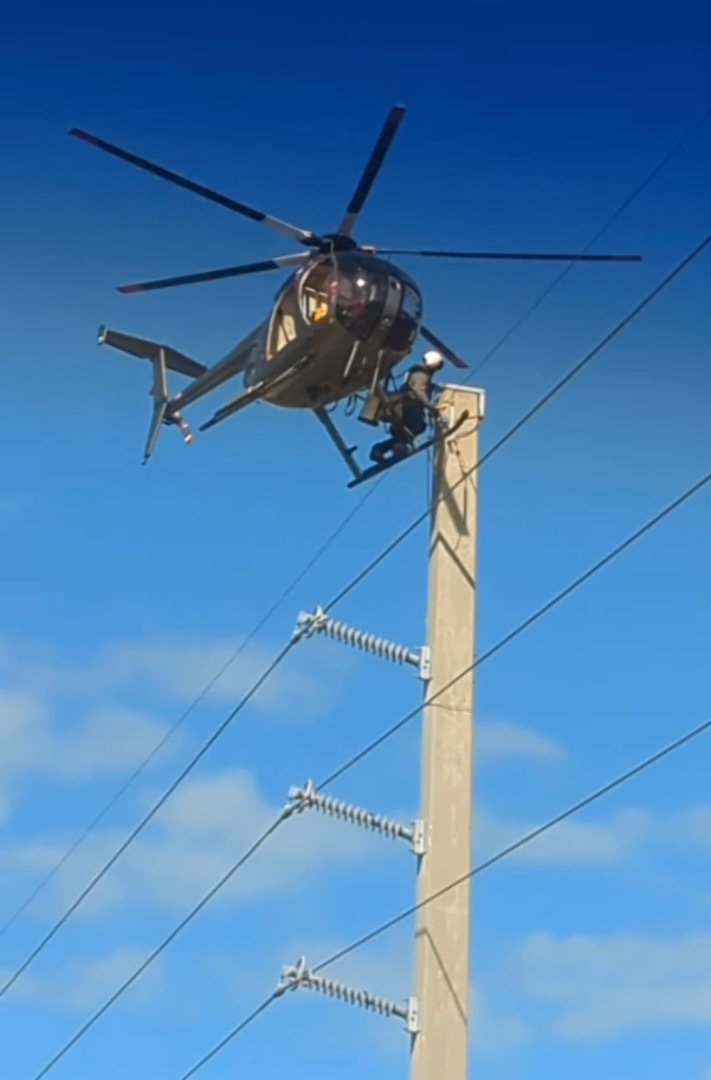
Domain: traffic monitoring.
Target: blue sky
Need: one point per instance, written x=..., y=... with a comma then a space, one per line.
x=123, y=589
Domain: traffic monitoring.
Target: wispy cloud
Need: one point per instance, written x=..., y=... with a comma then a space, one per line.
x=693, y=827
x=200, y=832
x=83, y=984
x=69, y=720
x=601, y=986
x=571, y=842
x=104, y=741
x=178, y=670
x=499, y=738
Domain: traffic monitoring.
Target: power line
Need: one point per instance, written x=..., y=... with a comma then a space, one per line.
x=523, y=626
x=539, y=405
x=624, y=205
x=533, y=835
x=547, y=397
x=334, y=536
x=166, y=941
x=42, y=884
x=232, y=1035
x=518, y=630
x=268, y=671
x=504, y=853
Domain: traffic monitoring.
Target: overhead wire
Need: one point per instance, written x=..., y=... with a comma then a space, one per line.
x=232, y=1035
x=492, y=861
x=252, y=850
x=522, y=842
x=525, y=419
x=627, y=202
x=354, y=582
x=624, y=205
x=501, y=442
x=148, y=817
x=367, y=750
x=524, y=625
x=371, y=566
x=140, y=769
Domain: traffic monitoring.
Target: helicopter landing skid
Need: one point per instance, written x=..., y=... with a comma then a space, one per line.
x=344, y=450
x=376, y=470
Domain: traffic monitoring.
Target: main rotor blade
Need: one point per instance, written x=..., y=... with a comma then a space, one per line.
x=302, y=235
x=444, y=349
x=524, y=256
x=216, y=275
x=372, y=169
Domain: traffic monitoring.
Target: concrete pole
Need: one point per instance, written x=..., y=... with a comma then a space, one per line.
x=440, y=1049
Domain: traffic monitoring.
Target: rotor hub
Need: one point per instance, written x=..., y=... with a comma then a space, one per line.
x=333, y=242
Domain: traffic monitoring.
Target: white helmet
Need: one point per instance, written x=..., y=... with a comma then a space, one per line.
x=433, y=360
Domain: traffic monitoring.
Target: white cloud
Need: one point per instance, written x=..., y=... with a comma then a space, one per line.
x=489, y=1030
x=569, y=842
x=693, y=827
x=85, y=984
x=178, y=670
x=499, y=738
x=62, y=720
x=110, y=738
x=211, y=820
x=106, y=740
x=202, y=830
x=602, y=986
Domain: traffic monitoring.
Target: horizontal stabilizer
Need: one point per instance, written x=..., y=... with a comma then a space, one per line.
x=149, y=350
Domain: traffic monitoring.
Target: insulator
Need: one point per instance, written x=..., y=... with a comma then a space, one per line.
x=300, y=976
x=319, y=622
x=356, y=815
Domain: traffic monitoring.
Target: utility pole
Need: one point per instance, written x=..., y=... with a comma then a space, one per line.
x=435, y=1016
x=440, y=1048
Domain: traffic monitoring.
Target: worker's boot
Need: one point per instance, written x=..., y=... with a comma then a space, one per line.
x=379, y=452
x=402, y=449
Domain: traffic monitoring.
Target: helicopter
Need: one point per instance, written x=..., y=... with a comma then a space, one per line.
x=340, y=324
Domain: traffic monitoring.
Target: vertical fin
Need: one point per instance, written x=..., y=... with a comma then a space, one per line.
x=159, y=393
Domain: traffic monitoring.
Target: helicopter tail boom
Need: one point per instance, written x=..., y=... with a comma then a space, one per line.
x=149, y=350
x=162, y=358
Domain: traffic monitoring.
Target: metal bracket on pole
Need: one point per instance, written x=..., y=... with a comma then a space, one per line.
x=310, y=623
x=298, y=975
x=307, y=798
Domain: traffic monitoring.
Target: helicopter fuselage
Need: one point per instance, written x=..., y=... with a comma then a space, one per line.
x=340, y=324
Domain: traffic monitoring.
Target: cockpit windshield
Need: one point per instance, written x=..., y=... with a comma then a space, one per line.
x=361, y=296
x=365, y=294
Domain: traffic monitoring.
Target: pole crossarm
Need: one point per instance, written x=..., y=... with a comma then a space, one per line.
x=319, y=622
x=295, y=976
x=308, y=798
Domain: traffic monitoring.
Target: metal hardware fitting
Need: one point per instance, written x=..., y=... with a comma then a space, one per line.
x=309, y=623
x=307, y=798
x=298, y=975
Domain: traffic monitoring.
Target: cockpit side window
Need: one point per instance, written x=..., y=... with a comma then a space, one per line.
x=406, y=326
x=315, y=293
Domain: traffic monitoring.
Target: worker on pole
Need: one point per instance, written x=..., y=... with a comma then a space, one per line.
x=408, y=410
